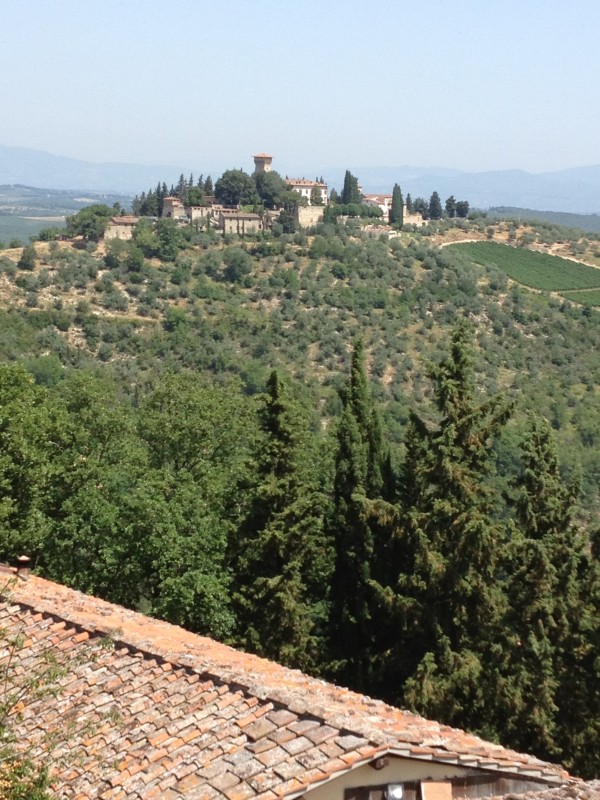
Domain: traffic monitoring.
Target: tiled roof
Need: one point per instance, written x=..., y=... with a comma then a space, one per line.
x=125, y=220
x=304, y=182
x=378, y=198
x=177, y=715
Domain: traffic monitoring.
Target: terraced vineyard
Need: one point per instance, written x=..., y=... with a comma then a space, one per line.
x=538, y=270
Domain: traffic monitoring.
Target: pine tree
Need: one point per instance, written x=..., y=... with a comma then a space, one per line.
x=361, y=463
x=279, y=558
x=409, y=203
x=397, y=209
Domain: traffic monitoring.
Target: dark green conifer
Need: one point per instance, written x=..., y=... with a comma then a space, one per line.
x=549, y=623
x=360, y=475
x=435, y=206
x=280, y=560
x=446, y=597
x=397, y=209
x=350, y=192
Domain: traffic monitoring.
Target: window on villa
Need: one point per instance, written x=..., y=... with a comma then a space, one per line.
x=394, y=791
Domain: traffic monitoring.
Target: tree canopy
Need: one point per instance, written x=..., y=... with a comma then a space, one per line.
x=91, y=221
x=235, y=187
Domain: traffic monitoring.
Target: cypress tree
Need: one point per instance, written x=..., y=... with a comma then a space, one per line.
x=350, y=192
x=279, y=557
x=181, y=190
x=397, y=209
x=549, y=624
x=435, y=206
x=360, y=474
x=446, y=597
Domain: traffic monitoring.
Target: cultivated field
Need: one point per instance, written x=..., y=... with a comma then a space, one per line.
x=537, y=270
x=589, y=297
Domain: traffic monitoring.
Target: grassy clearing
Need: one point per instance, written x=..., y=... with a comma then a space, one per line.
x=537, y=270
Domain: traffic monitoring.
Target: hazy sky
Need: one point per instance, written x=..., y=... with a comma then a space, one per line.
x=467, y=84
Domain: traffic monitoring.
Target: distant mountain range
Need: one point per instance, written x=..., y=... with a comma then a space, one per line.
x=575, y=190
x=19, y=165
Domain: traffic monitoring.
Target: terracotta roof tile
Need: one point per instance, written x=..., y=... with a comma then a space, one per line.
x=166, y=713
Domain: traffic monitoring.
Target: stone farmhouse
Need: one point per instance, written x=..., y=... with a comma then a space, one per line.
x=240, y=223
x=121, y=227
x=147, y=710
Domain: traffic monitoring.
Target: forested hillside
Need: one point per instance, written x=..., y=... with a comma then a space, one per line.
x=366, y=456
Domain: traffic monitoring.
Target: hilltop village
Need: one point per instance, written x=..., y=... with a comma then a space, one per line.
x=230, y=208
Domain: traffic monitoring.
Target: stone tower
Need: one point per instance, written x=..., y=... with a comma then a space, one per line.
x=262, y=162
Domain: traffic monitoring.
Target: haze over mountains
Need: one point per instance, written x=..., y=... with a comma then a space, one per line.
x=575, y=190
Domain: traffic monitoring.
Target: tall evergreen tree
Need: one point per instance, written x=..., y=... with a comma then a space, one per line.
x=279, y=557
x=397, y=209
x=360, y=467
x=181, y=190
x=435, y=206
x=462, y=209
x=451, y=206
x=161, y=193
x=350, y=192
x=446, y=597
x=547, y=651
